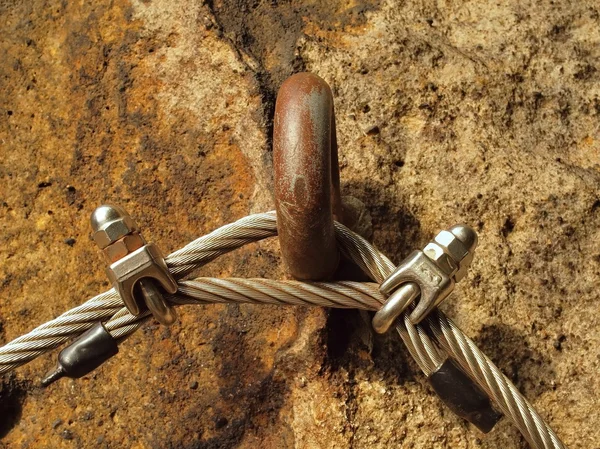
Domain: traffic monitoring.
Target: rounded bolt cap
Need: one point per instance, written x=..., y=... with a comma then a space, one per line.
x=466, y=235
x=111, y=223
x=106, y=214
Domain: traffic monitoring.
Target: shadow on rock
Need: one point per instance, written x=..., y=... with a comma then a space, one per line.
x=248, y=392
x=12, y=397
x=349, y=332
x=529, y=369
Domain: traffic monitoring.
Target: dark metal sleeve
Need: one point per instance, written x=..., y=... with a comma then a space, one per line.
x=463, y=396
x=88, y=352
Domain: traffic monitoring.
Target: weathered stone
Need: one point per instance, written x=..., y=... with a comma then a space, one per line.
x=446, y=113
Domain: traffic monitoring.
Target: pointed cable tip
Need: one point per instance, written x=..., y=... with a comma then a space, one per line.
x=53, y=376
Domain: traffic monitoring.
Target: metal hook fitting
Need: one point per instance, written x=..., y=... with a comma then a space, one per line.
x=307, y=181
x=431, y=273
x=135, y=266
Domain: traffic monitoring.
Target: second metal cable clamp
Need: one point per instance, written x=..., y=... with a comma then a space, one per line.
x=432, y=274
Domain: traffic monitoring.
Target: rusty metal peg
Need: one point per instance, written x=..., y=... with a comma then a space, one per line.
x=307, y=182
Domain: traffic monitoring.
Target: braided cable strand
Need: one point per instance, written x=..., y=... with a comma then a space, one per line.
x=491, y=379
x=56, y=332
x=103, y=306
x=108, y=306
x=202, y=291
x=449, y=336
x=343, y=294
x=222, y=240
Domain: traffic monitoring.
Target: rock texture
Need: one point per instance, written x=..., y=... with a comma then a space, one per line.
x=481, y=112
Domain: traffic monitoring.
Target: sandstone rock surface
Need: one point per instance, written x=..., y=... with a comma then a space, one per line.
x=486, y=113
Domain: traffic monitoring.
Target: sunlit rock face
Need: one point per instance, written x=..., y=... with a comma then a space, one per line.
x=484, y=114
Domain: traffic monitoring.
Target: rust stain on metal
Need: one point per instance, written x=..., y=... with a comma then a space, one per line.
x=306, y=176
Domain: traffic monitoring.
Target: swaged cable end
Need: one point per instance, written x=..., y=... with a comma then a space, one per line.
x=53, y=376
x=90, y=350
x=463, y=396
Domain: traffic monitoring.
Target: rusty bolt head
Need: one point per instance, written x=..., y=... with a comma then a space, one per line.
x=122, y=247
x=445, y=262
x=111, y=223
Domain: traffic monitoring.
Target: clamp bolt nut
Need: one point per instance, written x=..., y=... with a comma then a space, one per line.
x=111, y=223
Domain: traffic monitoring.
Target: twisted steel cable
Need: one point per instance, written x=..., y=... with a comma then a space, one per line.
x=491, y=379
x=56, y=332
x=222, y=240
x=202, y=291
x=462, y=349
x=340, y=294
x=102, y=307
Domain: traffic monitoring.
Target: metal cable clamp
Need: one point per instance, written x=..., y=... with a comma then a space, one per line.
x=432, y=274
x=136, y=267
x=435, y=270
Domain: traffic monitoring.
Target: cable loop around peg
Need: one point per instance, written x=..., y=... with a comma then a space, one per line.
x=431, y=273
x=307, y=180
x=136, y=268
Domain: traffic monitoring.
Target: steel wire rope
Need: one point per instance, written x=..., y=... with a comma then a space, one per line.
x=446, y=335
